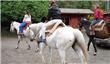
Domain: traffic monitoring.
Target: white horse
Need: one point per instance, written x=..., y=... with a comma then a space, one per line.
x=62, y=39
x=28, y=33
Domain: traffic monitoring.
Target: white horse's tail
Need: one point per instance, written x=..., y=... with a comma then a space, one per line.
x=81, y=42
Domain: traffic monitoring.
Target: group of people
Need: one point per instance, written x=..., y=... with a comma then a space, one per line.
x=54, y=18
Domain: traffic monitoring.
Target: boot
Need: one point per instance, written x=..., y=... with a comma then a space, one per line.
x=42, y=40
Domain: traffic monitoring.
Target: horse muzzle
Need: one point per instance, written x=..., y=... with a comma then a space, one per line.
x=11, y=30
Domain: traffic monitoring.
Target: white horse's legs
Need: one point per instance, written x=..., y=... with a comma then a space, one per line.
x=19, y=39
x=62, y=55
x=50, y=54
x=37, y=46
x=41, y=47
x=27, y=44
x=79, y=51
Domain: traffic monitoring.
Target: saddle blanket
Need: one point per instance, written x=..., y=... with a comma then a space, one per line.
x=99, y=26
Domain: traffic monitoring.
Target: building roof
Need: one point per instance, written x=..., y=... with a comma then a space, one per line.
x=75, y=11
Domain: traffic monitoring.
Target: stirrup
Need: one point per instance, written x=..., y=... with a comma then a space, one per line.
x=41, y=40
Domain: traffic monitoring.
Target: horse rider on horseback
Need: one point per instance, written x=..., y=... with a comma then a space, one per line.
x=98, y=16
x=26, y=22
x=54, y=15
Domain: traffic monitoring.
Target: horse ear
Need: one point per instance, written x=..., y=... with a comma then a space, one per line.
x=12, y=21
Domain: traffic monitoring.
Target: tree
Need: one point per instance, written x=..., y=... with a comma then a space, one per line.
x=14, y=10
x=80, y=4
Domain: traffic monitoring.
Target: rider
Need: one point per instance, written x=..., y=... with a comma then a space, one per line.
x=54, y=12
x=54, y=15
x=98, y=16
x=26, y=21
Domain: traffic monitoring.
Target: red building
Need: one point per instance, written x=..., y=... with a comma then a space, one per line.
x=72, y=16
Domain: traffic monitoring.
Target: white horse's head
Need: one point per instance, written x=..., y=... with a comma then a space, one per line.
x=12, y=27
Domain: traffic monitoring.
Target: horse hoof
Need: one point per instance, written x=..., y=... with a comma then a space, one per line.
x=45, y=63
x=16, y=48
x=37, y=50
x=95, y=53
x=66, y=63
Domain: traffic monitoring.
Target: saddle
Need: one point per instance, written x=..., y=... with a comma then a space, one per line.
x=27, y=24
x=47, y=32
x=24, y=28
x=99, y=26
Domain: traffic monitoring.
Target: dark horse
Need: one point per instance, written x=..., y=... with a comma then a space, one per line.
x=105, y=33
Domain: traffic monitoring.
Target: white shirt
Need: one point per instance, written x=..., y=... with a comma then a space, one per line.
x=27, y=18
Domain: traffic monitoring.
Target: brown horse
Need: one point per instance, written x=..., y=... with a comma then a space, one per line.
x=101, y=34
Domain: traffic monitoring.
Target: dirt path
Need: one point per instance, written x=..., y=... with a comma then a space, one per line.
x=10, y=55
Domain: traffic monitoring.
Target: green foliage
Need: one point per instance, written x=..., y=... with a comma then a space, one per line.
x=14, y=10
x=81, y=4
